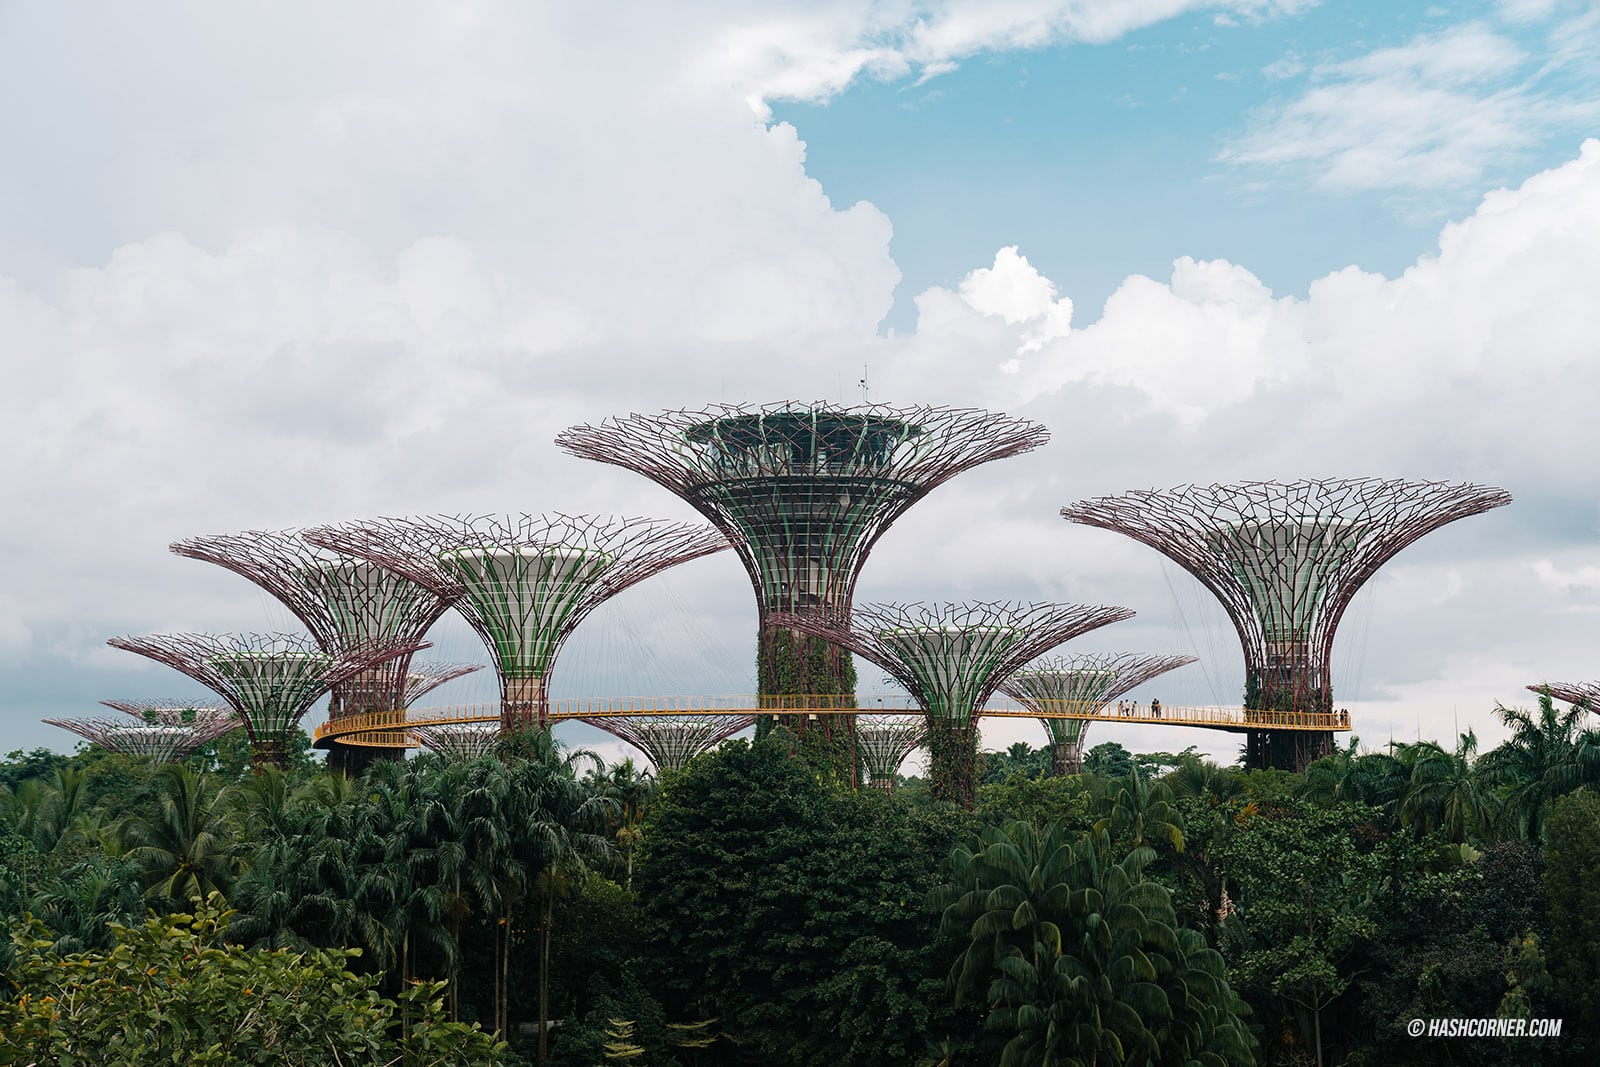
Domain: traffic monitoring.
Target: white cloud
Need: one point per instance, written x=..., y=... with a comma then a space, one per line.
x=1437, y=112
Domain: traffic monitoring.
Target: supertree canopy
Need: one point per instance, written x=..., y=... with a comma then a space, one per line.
x=1285, y=558
x=343, y=603
x=670, y=741
x=462, y=741
x=951, y=658
x=804, y=491
x=269, y=680
x=164, y=730
x=1083, y=683
x=523, y=582
x=884, y=742
x=1586, y=694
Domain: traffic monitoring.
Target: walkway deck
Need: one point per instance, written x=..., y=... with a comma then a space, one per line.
x=390, y=728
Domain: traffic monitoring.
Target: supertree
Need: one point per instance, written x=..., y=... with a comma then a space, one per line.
x=804, y=491
x=951, y=658
x=344, y=603
x=884, y=742
x=670, y=741
x=463, y=741
x=269, y=680
x=1285, y=558
x=1083, y=683
x=524, y=582
x=164, y=730
x=1585, y=694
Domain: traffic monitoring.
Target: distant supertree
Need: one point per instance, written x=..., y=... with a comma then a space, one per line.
x=1083, y=683
x=524, y=582
x=884, y=742
x=1585, y=694
x=466, y=740
x=269, y=680
x=1285, y=558
x=163, y=730
x=804, y=491
x=344, y=603
x=671, y=741
x=951, y=658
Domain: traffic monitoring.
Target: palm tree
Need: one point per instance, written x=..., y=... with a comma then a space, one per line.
x=185, y=851
x=1445, y=793
x=1544, y=758
x=1136, y=811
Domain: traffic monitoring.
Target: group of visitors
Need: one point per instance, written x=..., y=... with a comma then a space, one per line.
x=1130, y=709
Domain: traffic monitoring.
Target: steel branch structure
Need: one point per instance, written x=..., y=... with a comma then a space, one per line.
x=1085, y=682
x=951, y=658
x=524, y=582
x=1584, y=694
x=269, y=680
x=803, y=491
x=1285, y=558
x=344, y=603
x=671, y=741
x=163, y=730
x=462, y=741
x=884, y=742
x=423, y=678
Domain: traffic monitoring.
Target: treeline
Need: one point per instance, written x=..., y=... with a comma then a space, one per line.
x=1156, y=909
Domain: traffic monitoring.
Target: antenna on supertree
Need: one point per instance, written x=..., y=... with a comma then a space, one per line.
x=163, y=730
x=269, y=680
x=951, y=658
x=524, y=582
x=884, y=742
x=803, y=491
x=1579, y=694
x=1285, y=558
x=460, y=741
x=671, y=741
x=343, y=603
x=1084, y=683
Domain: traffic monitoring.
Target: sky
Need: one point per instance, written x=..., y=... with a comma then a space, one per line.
x=265, y=266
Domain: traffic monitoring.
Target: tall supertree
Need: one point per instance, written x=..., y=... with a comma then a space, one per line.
x=269, y=680
x=1586, y=694
x=524, y=582
x=1084, y=684
x=884, y=742
x=163, y=730
x=671, y=741
x=344, y=603
x=1285, y=558
x=951, y=658
x=804, y=491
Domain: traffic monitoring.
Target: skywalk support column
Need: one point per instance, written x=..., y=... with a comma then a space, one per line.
x=803, y=491
x=1083, y=683
x=523, y=582
x=951, y=658
x=1285, y=559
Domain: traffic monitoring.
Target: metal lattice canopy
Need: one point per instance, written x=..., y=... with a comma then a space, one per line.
x=523, y=582
x=423, y=678
x=462, y=741
x=884, y=742
x=269, y=680
x=671, y=741
x=1084, y=682
x=343, y=602
x=803, y=491
x=1585, y=693
x=952, y=657
x=1285, y=558
x=162, y=730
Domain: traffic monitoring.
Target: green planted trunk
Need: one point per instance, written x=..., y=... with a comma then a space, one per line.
x=791, y=664
x=952, y=759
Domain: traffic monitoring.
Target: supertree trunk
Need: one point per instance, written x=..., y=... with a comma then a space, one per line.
x=952, y=760
x=791, y=664
x=1066, y=757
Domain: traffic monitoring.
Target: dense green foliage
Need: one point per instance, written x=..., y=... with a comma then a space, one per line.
x=753, y=909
